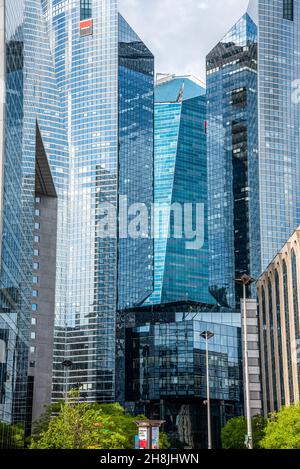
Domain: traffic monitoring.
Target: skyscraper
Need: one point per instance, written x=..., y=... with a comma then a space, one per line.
x=181, y=274
x=233, y=160
x=105, y=76
x=32, y=138
x=279, y=117
x=164, y=374
x=253, y=143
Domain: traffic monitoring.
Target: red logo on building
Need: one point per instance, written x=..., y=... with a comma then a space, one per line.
x=86, y=27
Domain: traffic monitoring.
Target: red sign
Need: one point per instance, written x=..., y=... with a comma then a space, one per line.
x=86, y=27
x=86, y=24
x=143, y=444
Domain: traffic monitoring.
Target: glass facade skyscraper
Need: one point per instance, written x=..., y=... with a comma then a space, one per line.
x=31, y=114
x=105, y=77
x=164, y=374
x=279, y=118
x=253, y=142
x=136, y=143
x=180, y=274
x=233, y=160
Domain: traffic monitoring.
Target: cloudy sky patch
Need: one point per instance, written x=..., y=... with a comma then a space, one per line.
x=181, y=32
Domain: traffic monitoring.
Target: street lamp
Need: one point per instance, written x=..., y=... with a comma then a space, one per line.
x=67, y=365
x=208, y=335
x=246, y=280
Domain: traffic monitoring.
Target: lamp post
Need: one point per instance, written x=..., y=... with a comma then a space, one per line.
x=246, y=280
x=208, y=335
x=67, y=365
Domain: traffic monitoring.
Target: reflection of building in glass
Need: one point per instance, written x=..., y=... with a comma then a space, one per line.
x=30, y=117
x=253, y=143
x=279, y=305
x=166, y=370
x=181, y=274
x=233, y=160
x=106, y=89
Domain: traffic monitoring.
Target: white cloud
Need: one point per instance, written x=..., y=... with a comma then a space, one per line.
x=181, y=32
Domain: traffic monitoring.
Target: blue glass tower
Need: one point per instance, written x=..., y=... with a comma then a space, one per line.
x=35, y=138
x=105, y=78
x=180, y=274
x=253, y=140
x=279, y=117
x=234, y=229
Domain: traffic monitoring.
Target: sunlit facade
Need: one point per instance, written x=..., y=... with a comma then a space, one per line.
x=279, y=319
x=105, y=76
x=180, y=177
x=233, y=181
x=279, y=123
x=253, y=143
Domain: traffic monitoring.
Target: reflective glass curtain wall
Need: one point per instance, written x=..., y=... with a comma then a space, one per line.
x=233, y=160
x=279, y=123
x=99, y=94
x=136, y=146
x=180, y=177
x=31, y=103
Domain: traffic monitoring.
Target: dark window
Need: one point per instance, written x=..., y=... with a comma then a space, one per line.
x=288, y=10
x=239, y=97
x=85, y=9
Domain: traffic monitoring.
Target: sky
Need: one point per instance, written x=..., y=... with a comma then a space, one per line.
x=181, y=32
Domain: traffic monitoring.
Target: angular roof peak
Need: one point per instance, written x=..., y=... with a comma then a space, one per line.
x=178, y=88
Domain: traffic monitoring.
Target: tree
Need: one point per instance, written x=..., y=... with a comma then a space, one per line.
x=234, y=433
x=86, y=426
x=41, y=425
x=283, y=429
x=164, y=442
x=11, y=436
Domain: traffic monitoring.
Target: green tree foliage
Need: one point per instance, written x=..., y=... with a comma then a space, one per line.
x=41, y=425
x=233, y=434
x=77, y=425
x=11, y=436
x=283, y=429
x=164, y=442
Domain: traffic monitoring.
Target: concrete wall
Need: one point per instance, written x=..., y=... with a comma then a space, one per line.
x=253, y=355
x=44, y=316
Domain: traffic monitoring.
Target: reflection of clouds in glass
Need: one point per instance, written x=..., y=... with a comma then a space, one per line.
x=253, y=9
x=2, y=351
x=181, y=33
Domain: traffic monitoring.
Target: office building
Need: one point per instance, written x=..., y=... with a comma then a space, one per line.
x=253, y=134
x=278, y=295
x=166, y=369
x=33, y=138
x=106, y=87
x=43, y=290
x=180, y=177
x=233, y=160
x=164, y=372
